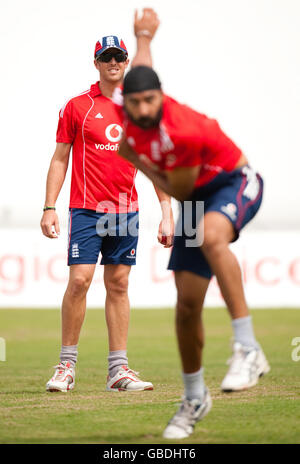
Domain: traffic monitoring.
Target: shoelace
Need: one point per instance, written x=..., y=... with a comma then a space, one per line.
x=133, y=373
x=237, y=360
x=185, y=415
x=60, y=374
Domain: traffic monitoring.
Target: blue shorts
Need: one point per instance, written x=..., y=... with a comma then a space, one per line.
x=114, y=235
x=237, y=195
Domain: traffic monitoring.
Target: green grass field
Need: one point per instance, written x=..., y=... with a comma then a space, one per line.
x=267, y=413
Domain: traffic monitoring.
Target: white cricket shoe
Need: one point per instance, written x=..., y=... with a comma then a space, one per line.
x=127, y=380
x=63, y=379
x=247, y=365
x=190, y=411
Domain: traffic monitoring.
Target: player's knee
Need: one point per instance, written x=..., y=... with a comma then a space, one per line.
x=117, y=284
x=213, y=242
x=186, y=309
x=78, y=286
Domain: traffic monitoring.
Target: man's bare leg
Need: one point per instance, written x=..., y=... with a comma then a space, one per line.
x=74, y=302
x=117, y=308
x=117, y=312
x=191, y=290
x=218, y=233
x=248, y=361
x=72, y=314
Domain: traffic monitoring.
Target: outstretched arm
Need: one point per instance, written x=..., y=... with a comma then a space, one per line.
x=166, y=227
x=178, y=183
x=145, y=28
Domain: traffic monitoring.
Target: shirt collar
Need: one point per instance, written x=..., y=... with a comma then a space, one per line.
x=95, y=90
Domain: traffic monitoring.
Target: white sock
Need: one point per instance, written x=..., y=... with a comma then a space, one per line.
x=69, y=353
x=194, y=386
x=243, y=332
x=116, y=359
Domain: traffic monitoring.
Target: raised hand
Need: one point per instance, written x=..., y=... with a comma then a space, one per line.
x=147, y=24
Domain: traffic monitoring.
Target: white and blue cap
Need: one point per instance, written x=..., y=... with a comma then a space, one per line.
x=107, y=42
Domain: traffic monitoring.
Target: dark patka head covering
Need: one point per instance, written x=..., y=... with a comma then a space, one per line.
x=141, y=78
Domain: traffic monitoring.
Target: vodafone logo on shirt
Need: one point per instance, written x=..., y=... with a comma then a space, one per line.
x=114, y=132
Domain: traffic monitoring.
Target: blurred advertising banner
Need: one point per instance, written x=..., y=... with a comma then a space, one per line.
x=34, y=271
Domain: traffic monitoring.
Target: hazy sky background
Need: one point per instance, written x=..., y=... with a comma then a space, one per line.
x=235, y=60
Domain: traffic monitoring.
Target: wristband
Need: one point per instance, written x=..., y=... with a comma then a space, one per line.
x=145, y=33
x=46, y=208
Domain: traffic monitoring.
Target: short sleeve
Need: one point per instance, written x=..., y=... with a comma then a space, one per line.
x=66, y=129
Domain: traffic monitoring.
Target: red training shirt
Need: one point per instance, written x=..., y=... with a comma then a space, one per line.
x=184, y=138
x=101, y=179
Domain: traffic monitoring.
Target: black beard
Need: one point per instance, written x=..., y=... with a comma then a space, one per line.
x=145, y=122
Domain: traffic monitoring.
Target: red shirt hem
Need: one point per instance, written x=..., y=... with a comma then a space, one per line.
x=93, y=207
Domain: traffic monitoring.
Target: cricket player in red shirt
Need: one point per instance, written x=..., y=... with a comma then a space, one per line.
x=103, y=209
x=187, y=155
